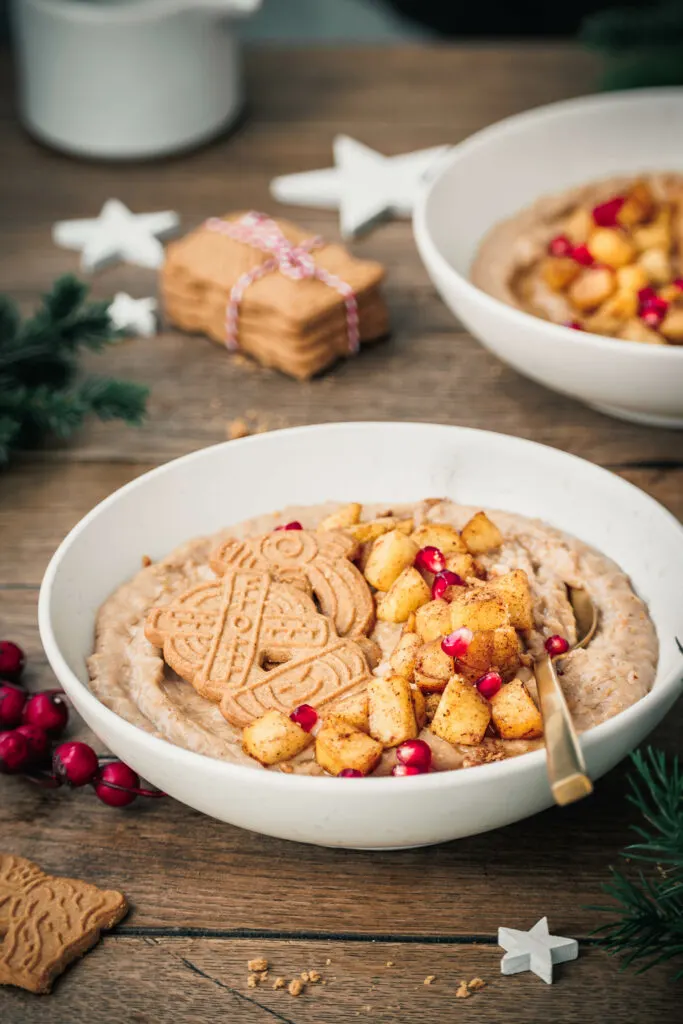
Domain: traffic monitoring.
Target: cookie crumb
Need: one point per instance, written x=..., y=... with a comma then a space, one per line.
x=314, y=977
x=146, y=561
x=252, y=981
x=463, y=992
x=280, y=983
x=258, y=964
x=328, y=962
x=305, y=976
x=263, y=975
x=390, y=963
x=236, y=429
x=430, y=979
x=295, y=987
x=476, y=984
x=286, y=768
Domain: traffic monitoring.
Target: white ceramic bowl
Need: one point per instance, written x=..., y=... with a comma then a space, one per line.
x=506, y=167
x=382, y=462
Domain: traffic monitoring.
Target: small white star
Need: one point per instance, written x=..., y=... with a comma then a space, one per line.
x=363, y=184
x=136, y=316
x=536, y=950
x=117, y=234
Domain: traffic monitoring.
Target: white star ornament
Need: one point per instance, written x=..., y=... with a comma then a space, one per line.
x=536, y=950
x=117, y=234
x=135, y=316
x=363, y=184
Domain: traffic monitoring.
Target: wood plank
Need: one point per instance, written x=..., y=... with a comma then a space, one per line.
x=161, y=981
x=42, y=501
x=219, y=877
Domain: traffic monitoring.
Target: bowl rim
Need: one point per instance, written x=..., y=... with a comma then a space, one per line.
x=493, y=771
x=431, y=253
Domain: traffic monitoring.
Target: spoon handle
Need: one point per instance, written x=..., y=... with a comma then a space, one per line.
x=566, y=766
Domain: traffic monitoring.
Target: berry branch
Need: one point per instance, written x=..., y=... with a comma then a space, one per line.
x=41, y=390
x=28, y=726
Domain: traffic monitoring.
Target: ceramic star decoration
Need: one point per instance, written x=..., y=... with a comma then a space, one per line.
x=363, y=184
x=117, y=234
x=135, y=316
x=536, y=950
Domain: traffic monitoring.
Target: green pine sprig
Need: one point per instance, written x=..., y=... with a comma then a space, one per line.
x=42, y=391
x=649, y=927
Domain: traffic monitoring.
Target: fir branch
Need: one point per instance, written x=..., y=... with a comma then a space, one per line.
x=649, y=926
x=41, y=393
x=623, y=29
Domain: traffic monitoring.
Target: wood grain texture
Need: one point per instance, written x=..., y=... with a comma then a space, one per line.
x=204, y=981
x=207, y=896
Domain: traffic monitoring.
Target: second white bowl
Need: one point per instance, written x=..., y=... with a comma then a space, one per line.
x=508, y=166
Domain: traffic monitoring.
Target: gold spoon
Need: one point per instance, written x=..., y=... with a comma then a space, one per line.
x=566, y=766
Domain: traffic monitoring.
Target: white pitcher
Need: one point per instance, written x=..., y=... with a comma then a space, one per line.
x=126, y=79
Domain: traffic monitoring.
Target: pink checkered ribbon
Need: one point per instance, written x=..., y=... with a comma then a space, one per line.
x=295, y=261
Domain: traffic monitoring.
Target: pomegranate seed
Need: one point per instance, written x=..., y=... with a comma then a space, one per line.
x=15, y=752
x=678, y=283
x=560, y=246
x=574, y=324
x=415, y=754
x=457, y=644
x=431, y=559
x=605, y=214
x=74, y=763
x=115, y=784
x=294, y=525
x=489, y=684
x=582, y=255
x=48, y=711
x=652, y=317
x=406, y=769
x=11, y=661
x=556, y=645
x=646, y=295
x=350, y=773
x=305, y=716
x=443, y=581
x=12, y=702
x=37, y=739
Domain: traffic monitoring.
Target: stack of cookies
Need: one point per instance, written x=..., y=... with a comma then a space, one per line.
x=269, y=289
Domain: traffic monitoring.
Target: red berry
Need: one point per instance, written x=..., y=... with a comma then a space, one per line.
x=49, y=711
x=489, y=684
x=652, y=318
x=305, y=716
x=415, y=754
x=560, y=246
x=456, y=644
x=653, y=310
x=605, y=214
x=74, y=763
x=294, y=525
x=12, y=701
x=582, y=255
x=116, y=774
x=350, y=773
x=406, y=769
x=556, y=645
x=431, y=559
x=443, y=581
x=678, y=283
x=37, y=739
x=11, y=661
x=15, y=752
x=574, y=324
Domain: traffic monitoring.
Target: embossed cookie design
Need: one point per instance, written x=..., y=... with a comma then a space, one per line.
x=46, y=922
x=253, y=644
x=317, y=562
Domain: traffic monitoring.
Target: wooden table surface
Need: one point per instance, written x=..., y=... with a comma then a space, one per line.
x=206, y=897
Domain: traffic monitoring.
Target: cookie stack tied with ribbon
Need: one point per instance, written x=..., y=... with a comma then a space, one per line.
x=268, y=288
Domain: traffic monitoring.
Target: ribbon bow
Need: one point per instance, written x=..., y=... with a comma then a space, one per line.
x=294, y=261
